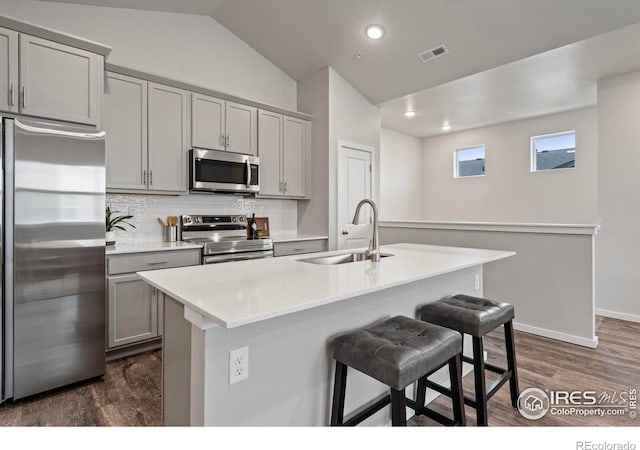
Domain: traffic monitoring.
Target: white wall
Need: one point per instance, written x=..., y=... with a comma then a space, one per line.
x=353, y=119
x=341, y=113
x=147, y=208
x=400, y=176
x=190, y=48
x=618, y=280
x=509, y=192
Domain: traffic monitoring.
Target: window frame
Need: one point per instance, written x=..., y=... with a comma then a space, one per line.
x=532, y=151
x=456, y=168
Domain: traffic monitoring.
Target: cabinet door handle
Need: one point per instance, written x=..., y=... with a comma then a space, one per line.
x=24, y=97
x=228, y=142
x=12, y=95
x=285, y=186
x=151, y=177
x=222, y=140
x=144, y=177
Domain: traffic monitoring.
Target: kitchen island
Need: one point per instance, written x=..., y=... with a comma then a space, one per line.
x=286, y=311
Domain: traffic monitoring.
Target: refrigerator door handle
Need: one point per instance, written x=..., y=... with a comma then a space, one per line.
x=49, y=131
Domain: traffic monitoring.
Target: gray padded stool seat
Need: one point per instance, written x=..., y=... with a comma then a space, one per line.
x=397, y=352
x=477, y=316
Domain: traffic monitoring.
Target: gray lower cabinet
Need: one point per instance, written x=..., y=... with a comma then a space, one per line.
x=134, y=308
x=133, y=311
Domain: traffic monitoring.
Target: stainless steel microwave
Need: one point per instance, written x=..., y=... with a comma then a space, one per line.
x=216, y=171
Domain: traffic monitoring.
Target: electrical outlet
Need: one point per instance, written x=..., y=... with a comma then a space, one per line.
x=477, y=282
x=238, y=365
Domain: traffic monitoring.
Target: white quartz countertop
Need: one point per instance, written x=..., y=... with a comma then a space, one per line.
x=293, y=237
x=155, y=246
x=244, y=292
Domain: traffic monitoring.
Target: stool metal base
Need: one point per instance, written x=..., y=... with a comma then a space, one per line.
x=399, y=401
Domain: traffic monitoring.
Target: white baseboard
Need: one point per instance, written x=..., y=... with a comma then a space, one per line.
x=618, y=315
x=571, y=339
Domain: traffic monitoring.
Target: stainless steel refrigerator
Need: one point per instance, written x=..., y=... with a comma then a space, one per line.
x=53, y=256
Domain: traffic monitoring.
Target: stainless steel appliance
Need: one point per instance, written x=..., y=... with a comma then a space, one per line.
x=53, y=253
x=224, y=238
x=215, y=171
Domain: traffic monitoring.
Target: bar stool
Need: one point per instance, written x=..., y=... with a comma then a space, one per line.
x=477, y=317
x=398, y=352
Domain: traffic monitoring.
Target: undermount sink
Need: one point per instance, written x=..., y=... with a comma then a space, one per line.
x=342, y=258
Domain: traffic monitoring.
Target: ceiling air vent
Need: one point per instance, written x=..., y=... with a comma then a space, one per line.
x=433, y=53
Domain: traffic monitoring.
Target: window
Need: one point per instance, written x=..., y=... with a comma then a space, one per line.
x=553, y=151
x=469, y=162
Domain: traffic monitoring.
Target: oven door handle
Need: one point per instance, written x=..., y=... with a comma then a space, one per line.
x=248, y=173
x=236, y=257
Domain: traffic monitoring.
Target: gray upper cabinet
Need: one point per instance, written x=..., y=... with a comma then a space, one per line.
x=270, y=139
x=147, y=136
x=223, y=125
x=125, y=122
x=207, y=122
x=8, y=70
x=283, y=147
x=295, y=156
x=168, y=139
x=45, y=79
x=59, y=82
x=242, y=136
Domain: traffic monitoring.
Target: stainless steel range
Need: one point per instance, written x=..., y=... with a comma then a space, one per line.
x=224, y=238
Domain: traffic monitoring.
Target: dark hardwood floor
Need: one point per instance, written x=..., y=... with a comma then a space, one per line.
x=130, y=392
x=128, y=396
x=553, y=365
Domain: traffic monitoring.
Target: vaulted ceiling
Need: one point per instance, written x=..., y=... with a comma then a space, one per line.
x=303, y=36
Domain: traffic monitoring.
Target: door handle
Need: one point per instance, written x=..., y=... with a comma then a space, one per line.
x=345, y=232
x=151, y=177
x=248, y=173
x=12, y=95
x=24, y=97
x=222, y=141
x=144, y=177
x=228, y=141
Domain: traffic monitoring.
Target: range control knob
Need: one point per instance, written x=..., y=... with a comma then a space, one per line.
x=241, y=219
x=233, y=219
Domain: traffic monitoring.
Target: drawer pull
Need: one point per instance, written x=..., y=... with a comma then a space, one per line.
x=158, y=263
x=298, y=249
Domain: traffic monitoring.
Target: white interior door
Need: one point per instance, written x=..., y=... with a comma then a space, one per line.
x=354, y=184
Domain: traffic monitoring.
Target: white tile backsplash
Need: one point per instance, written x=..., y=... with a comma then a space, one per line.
x=145, y=209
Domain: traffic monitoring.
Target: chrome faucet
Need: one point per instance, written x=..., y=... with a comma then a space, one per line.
x=373, y=252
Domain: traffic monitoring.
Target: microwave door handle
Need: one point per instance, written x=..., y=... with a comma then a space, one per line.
x=248, y=173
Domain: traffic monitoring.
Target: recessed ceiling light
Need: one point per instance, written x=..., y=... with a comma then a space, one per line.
x=374, y=31
x=446, y=127
x=409, y=114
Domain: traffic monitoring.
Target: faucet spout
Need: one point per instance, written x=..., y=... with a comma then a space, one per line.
x=374, y=244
